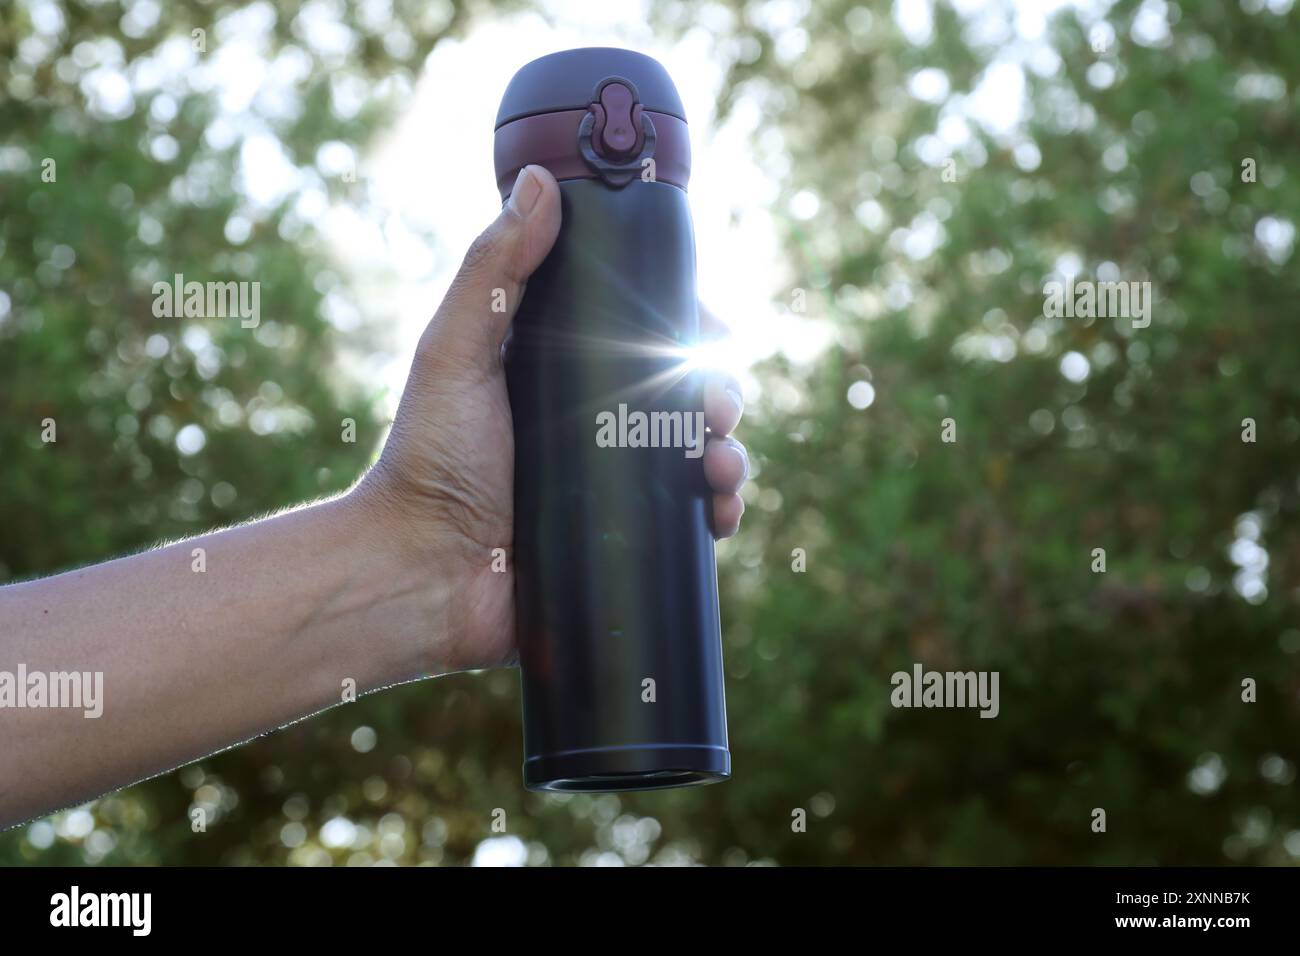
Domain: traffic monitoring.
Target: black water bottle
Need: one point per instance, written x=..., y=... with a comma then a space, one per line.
x=616, y=588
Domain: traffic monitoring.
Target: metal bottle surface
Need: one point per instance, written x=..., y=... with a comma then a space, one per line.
x=616, y=591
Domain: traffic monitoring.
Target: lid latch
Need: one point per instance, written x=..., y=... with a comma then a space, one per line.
x=616, y=136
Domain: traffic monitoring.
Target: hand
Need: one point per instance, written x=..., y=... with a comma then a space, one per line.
x=389, y=582
x=443, y=487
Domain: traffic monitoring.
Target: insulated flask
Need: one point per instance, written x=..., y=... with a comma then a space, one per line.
x=616, y=592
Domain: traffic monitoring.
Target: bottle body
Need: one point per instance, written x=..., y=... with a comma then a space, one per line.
x=616, y=590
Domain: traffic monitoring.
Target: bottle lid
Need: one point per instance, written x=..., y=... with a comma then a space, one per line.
x=593, y=113
x=565, y=81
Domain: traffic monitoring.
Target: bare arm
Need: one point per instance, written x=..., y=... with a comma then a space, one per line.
x=391, y=581
x=192, y=652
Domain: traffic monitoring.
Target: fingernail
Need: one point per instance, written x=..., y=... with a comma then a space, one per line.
x=738, y=450
x=524, y=195
x=736, y=398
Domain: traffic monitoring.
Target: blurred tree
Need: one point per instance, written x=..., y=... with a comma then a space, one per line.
x=124, y=164
x=1119, y=690
x=923, y=226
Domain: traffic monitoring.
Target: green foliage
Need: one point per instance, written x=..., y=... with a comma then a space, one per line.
x=976, y=554
x=1118, y=690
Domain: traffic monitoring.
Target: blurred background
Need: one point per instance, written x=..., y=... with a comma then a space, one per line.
x=881, y=193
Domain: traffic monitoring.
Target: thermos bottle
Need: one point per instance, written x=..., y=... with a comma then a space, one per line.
x=616, y=590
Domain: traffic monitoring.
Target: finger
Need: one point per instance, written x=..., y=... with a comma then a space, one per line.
x=727, y=510
x=711, y=327
x=485, y=294
x=724, y=403
x=726, y=465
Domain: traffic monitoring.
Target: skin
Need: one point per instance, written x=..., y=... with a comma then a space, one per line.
x=387, y=583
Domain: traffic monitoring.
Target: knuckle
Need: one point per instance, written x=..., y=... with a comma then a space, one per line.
x=481, y=250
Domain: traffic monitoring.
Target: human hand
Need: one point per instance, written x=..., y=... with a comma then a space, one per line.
x=442, y=490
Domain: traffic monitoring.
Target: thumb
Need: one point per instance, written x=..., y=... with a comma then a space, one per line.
x=483, y=298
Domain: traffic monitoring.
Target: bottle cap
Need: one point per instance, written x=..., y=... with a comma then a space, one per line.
x=593, y=113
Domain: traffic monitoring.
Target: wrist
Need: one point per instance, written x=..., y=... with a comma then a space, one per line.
x=405, y=597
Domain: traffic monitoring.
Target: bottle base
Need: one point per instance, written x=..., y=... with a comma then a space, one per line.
x=636, y=767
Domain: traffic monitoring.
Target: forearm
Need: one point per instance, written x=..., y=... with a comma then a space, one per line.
x=265, y=625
